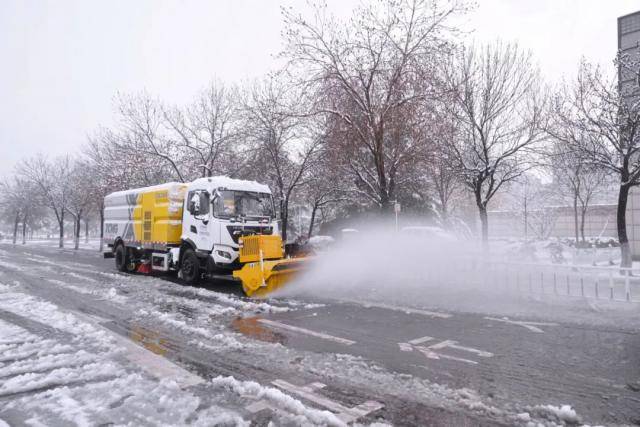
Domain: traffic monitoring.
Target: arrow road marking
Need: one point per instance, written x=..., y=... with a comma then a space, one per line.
x=405, y=346
x=420, y=340
x=291, y=328
x=436, y=355
x=532, y=326
x=454, y=344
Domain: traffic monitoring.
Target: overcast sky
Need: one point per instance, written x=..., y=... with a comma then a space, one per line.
x=62, y=61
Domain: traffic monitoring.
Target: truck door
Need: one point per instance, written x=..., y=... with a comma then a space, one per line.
x=198, y=221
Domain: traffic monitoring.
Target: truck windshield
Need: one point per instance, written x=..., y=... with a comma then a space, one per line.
x=246, y=204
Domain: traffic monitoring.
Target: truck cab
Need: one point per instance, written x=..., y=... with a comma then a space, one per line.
x=217, y=212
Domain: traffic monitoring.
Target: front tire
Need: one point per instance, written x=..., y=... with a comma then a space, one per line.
x=122, y=260
x=190, y=267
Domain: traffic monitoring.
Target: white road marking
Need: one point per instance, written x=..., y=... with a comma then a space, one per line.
x=455, y=345
x=429, y=352
x=433, y=355
x=344, y=413
x=407, y=310
x=532, y=326
x=420, y=340
x=405, y=346
x=306, y=332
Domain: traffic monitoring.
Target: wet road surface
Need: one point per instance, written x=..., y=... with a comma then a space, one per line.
x=364, y=362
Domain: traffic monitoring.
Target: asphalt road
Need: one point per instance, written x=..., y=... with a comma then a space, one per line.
x=399, y=365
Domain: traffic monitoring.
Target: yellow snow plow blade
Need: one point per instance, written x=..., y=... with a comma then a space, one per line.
x=265, y=268
x=259, y=279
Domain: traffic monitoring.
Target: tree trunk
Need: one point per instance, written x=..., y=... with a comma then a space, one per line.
x=76, y=237
x=313, y=218
x=484, y=218
x=575, y=217
x=15, y=228
x=86, y=230
x=583, y=214
x=621, y=219
x=101, y=227
x=61, y=228
x=484, y=224
x=284, y=214
x=24, y=230
x=526, y=219
x=444, y=214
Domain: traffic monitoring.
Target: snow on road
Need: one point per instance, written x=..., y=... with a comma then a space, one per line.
x=63, y=320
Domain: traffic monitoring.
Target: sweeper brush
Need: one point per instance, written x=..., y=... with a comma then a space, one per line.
x=265, y=268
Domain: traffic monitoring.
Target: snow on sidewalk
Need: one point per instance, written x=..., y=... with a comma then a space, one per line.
x=81, y=376
x=60, y=368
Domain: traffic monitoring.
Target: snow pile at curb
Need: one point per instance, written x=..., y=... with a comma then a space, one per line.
x=279, y=399
x=564, y=412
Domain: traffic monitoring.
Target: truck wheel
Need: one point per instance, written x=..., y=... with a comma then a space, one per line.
x=122, y=260
x=190, y=267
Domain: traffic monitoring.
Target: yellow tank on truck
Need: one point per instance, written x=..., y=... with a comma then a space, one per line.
x=147, y=217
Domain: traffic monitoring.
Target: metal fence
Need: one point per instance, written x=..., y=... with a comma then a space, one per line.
x=612, y=283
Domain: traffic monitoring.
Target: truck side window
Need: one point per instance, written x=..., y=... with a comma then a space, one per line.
x=218, y=205
x=192, y=202
x=204, y=202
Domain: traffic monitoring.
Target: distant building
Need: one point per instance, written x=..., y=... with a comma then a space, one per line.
x=554, y=221
x=628, y=43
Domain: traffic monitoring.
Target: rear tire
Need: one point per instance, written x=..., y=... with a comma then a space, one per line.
x=190, y=267
x=122, y=258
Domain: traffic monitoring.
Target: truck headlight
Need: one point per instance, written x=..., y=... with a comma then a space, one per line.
x=224, y=254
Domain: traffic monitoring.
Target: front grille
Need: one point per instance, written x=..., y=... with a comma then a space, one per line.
x=254, y=248
x=237, y=231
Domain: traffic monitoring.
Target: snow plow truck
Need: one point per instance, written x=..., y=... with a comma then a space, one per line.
x=217, y=227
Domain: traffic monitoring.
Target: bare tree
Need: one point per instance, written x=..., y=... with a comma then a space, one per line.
x=496, y=100
x=80, y=196
x=283, y=147
x=442, y=174
x=366, y=73
x=207, y=130
x=576, y=178
x=606, y=117
x=141, y=133
x=324, y=188
x=111, y=170
x=51, y=178
x=16, y=201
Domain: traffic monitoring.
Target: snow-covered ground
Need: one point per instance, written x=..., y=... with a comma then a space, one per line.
x=85, y=345
x=93, y=244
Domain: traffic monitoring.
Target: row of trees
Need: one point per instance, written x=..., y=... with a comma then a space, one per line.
x=388, y=106
x=62, y=187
